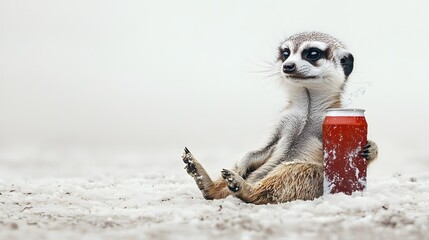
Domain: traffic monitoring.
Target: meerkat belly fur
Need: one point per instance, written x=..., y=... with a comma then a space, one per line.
x=314, y=68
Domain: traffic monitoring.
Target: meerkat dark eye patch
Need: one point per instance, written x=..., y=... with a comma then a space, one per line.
x=313, y=54
x=284, y=54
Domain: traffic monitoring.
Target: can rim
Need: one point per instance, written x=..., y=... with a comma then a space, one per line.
x=345, y=112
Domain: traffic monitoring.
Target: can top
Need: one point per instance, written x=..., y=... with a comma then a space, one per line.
x=347, y=112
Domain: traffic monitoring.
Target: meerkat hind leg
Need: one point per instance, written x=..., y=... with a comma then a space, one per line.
x=238, y=186
x=287, y=182
x=209, y=189
x=292, y=181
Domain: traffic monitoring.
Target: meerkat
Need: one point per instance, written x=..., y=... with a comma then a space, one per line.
x=314, y=68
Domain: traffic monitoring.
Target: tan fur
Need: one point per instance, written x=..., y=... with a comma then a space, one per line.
x=287, y=182
x=218, y=189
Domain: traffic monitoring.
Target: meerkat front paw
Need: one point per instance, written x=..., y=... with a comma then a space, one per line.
x=233, y=180
x=370, y=151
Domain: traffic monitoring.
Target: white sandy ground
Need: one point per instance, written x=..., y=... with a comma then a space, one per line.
x=41, y=199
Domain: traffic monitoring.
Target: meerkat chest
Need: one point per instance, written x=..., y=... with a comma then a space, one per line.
x=302, y=134
x=299, y=122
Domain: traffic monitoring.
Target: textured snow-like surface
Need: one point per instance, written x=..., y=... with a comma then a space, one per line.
x=48, y=201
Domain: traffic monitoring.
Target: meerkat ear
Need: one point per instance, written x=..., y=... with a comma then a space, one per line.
x=346, y=60
x=347, y=64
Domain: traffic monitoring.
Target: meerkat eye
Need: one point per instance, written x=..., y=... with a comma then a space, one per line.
x=285, y=54
x=314, y=54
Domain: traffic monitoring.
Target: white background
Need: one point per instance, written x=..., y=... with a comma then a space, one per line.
x=150, y=77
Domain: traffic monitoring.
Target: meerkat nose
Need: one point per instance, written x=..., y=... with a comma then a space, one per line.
x=289, y=68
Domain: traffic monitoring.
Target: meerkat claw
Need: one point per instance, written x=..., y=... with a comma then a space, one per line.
x=369, y=151
x=186, y=157
x=232, y=182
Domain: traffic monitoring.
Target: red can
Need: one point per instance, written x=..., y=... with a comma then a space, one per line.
x=344, y=137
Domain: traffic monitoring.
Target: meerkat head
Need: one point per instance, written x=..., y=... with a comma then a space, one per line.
x=315, y=59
